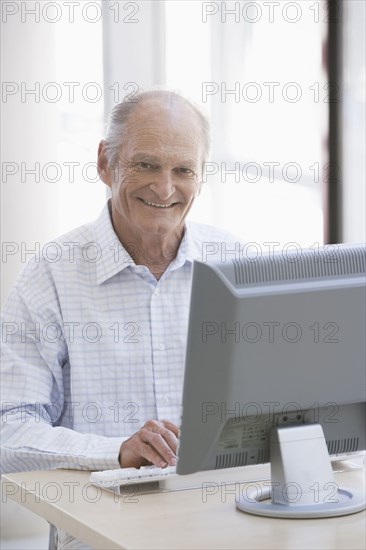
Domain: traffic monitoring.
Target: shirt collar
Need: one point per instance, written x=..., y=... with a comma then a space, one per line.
x=188, y=249
x=114, y=256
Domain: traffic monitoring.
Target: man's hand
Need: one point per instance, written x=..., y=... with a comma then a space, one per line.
x=155, y=443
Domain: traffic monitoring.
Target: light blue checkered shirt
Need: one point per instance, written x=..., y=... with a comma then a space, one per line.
x=93, y=346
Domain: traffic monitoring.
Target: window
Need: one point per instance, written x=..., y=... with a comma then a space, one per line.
x=257, y=68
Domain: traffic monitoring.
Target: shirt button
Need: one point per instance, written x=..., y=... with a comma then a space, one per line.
x=166, y=399
x=156, y=292
x=162, y=346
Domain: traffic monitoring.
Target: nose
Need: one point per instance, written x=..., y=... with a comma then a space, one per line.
x=163, y=184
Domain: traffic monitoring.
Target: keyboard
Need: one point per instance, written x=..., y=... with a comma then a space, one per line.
x=126, y=476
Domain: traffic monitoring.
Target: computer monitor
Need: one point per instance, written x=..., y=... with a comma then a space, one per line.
x=275, y=372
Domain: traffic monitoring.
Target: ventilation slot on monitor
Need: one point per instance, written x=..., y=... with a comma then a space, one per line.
x=231, y=460
x=339, y=446
x=333, y=261
x=262, y=456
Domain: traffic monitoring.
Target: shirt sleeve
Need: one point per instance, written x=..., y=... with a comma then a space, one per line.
x=32, y=396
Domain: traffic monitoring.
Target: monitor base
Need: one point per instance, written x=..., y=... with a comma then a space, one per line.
x=349, y=502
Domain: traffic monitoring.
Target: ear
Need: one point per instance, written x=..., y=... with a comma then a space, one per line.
x=103, y=171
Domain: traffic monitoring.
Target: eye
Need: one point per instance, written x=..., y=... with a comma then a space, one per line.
x=145, y=166
x=185, y=171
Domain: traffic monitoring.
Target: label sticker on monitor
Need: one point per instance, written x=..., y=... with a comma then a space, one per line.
x=243, y=433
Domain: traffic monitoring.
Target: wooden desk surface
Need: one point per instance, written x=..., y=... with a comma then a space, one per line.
x=179, y=519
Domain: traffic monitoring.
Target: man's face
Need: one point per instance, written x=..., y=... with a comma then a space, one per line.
x=159, y=173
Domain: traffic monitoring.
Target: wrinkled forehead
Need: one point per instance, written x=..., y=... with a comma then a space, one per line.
x=172, y=130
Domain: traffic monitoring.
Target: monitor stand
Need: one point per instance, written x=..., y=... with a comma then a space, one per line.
x=302, y=481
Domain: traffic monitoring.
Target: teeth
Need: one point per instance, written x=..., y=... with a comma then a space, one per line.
x=158, y=205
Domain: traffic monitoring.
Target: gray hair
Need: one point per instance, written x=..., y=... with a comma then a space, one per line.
x=121, y=112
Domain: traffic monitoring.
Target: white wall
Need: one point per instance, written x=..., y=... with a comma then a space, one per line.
x=29, y=210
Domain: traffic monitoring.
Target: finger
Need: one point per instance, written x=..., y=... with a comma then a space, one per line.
x=166, y=429
x=136, y=453
x=170, y=426
x=165, y=444
x=163, y=428
x=152, y=455
x=170, y=438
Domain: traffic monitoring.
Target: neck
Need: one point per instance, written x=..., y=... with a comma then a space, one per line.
x=155, y=254
x=155, y=251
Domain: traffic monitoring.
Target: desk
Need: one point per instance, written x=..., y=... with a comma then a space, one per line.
x=179, y=519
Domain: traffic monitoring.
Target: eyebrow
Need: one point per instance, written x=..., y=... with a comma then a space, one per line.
x=145, y=156
x=151, y=157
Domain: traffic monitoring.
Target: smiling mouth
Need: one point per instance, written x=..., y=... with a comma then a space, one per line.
x=156, y=205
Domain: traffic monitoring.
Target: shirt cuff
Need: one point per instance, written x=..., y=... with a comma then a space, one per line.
x=103, y=454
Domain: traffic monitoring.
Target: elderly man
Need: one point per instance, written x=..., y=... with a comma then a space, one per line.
x=94, y=335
